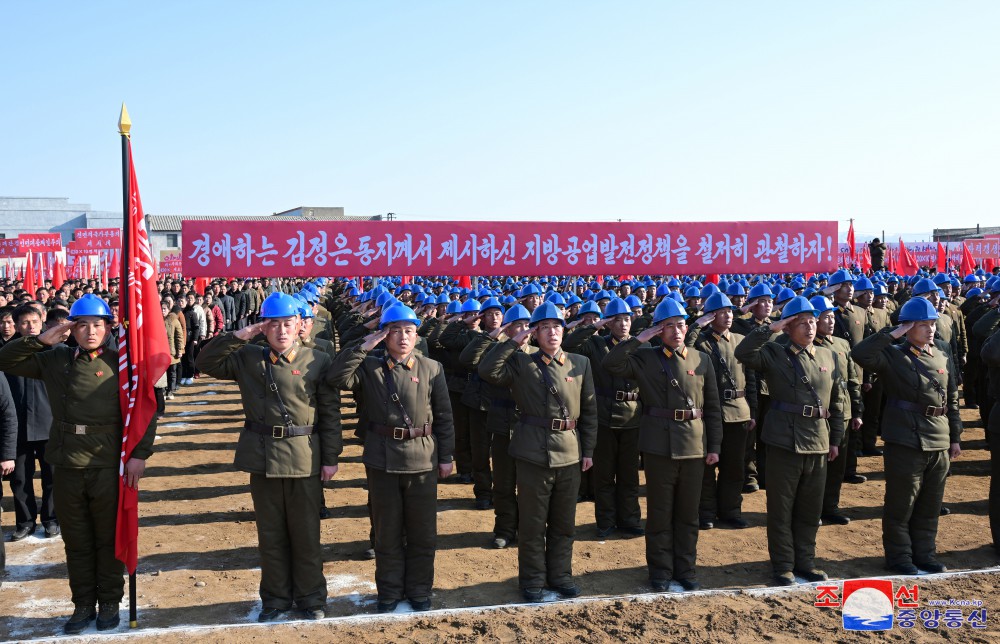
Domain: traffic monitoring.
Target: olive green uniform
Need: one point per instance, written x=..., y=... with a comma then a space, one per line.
x=920, y=423
x=500, y=420
x=401, y=462
x=283, y=462
x=456, y=337
x=991, y=360
x=722, y=498
x=873, y=399
x=755, y=458
x=84, y=449
x=680, y=425
x=455, y=375
x=548, y=443
x=797, y=444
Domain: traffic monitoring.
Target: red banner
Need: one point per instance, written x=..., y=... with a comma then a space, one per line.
x=39, y=242
x=170, y=263
x=349, y=248
x=9, y=248
x=98, y=238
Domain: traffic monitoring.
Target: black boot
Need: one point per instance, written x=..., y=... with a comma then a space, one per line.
x=83, y=615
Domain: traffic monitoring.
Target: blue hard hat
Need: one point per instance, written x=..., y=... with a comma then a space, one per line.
x=917, y=309
x=841, y=276
x=491, y=303
x=454, y=306
x=508, y=300
x=717, y=301
x=556, y=299
x=617, y=306
x=662, y=290
x=784, y=295
x=736, y=289
x=797, y=305
x=471, y=306
x=443, y=299
x=279, y=305
x=633, y=302
x=708, y=290
x=863, y=284
x=546, y=311
x=353, y=292
x=530, y=289
x=942, y=278
x=759, y=289
x=675, y=296
x=590, y=307
x=603, y=295
x=398, y=312
x=971, y=278
x=383, y=298
x=515, y=313
x=674, y=283
x=692, y=291
x=321, y=281
x=974, y=292
x=668, y=308
x=309, y=296
x=822, y=304
x=924, y=286
x=573, y=299
x=90, y=305
x=306, y=311
x=309, y=286
x=880, y=289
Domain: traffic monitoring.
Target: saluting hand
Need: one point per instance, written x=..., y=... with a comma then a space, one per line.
x=248, y=333
x=575, y=323
x=134, y=469
x=901, y=330
x=779, y=325
x=373, y=340
x=327, y=472
x=522, y=338
x=649, y=333
x=600, y=324
x=705, y=320
x=57, y=334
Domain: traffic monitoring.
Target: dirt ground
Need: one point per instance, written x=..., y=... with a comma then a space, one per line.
x=198, y=564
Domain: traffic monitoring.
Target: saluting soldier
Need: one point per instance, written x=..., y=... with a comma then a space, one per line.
x=721, y=500
x=553, y=440
x=616, y=459
x=759, y=304
x=991, y=360
x=921, y=429
x=84, y=448
x=500, y=420
x=802, y=431
x=291, y=441
x=408, y=443
x=851, y=375
x=680, y=432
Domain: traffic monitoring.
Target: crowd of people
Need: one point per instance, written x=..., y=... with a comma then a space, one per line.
x=537, y=393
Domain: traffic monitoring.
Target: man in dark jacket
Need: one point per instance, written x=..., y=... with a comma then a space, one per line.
x=8, y=448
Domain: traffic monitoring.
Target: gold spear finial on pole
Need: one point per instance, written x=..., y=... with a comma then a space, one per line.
x=124, y=122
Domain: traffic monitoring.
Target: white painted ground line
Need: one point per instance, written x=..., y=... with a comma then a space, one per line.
x=358, y=619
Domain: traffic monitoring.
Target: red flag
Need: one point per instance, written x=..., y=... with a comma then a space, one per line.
x=865, y=259
x=989, y=264
x=851, y=246
x=58, y=274
x=143, y=357
x=942, y=258
x=465, y=281
x=29, y=274
x=713, y=278
x=907, y=262
x=968, y=261
x=200, y=285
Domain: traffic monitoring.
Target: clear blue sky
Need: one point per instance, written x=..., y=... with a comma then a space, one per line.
x=885, y=111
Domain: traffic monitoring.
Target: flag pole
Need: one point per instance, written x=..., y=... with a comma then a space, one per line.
x=124, y=128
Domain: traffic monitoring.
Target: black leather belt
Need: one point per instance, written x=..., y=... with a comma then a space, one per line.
x=401, y=433
x=733, y=394
x=807, y=411
x=555, y=424
x=83, y=430
x=678, y=415
x=278, y=431
x=927, y=410
x=617, y=395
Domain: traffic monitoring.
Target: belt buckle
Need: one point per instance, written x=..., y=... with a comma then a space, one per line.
x=930, y=411
x=679, y=415
x=80, y=430
x=557, y=424
x=620, y=396
x=808, y=410
x=277, y=431
x=399, y=433
x=728, y=394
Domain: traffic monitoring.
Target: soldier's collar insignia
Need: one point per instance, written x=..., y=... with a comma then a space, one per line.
x=682, y=352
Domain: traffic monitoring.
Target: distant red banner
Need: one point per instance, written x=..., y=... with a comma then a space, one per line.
x=351, y=248
x=170, y=263
x=98, y=238
x=39, y=242
x=9, y=248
